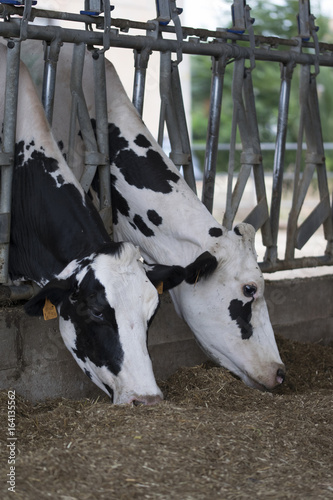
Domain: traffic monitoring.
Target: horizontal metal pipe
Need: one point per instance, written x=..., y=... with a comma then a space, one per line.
x=284, y=265
x=231, y=51
x=14, y=293
x=126, y=24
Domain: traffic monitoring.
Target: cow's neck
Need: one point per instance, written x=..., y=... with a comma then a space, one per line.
x=180, y=238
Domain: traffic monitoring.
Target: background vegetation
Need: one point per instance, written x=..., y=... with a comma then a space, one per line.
x=270, y=19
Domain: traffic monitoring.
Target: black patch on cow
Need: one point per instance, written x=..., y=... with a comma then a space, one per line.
x=215, y=232
x=60, y=179
x=31, y=145
x=119, y=203
x=110, y=391
x=116, y=142
x=237, y=231
x=242, y=313
x=115, y=248
x=154, y=217
x=19, y=154
x=142, y=226
x=87, y=372
x=51, y=225
x=132, y=225
x=60, y=145
x=97, y=335
x=149, y=171
x=142, y=141
x=85, y=262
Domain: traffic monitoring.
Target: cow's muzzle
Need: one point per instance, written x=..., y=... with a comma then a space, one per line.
x=146, y=400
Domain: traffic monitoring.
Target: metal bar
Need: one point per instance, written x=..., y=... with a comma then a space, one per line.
x=314, y=135
x=300, y=188
x=245, y=116
x=51, y=54
x=258, y=169
x=278, y=168
x=316, y=218
x=238, y=191
x=169, y=108
x=126, y=24
x=173, y=113
x=14, y=293
x=182, y=127
x=228, y=219
x=283, y=265
x=102, y=140
x=8, y=147
x=217, y=50
x=237, y=83
x=310, y=122
x=93, y=158
x=259, y=215
x=141, y=62
x=213, y=128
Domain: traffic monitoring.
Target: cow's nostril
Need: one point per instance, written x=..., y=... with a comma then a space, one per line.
x=146, y=400
x=137, y=402
x=280, y=376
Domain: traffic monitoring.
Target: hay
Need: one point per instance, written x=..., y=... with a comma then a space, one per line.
x=212, y=438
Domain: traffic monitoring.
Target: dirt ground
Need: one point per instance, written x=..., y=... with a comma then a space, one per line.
x=212, y=437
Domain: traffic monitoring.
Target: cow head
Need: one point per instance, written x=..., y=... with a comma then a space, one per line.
x=105, y=303
x=240, y=337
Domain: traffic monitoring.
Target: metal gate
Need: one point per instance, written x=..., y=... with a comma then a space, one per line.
x=222, y=46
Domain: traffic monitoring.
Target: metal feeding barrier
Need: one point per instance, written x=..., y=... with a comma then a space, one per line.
x=222, y=45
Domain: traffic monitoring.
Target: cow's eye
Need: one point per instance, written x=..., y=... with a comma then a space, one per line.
x=249, y=290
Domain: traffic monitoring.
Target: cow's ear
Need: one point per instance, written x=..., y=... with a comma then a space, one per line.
x=166, y=277
x=55, y=291
x=202, y=267
x=170, y=276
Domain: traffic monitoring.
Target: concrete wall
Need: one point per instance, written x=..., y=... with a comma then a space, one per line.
x=35, y=362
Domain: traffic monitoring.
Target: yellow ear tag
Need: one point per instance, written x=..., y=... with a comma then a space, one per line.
x=49, y=310
x=159, y=288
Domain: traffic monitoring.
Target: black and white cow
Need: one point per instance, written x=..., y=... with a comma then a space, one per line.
x=155, y=209
x=104, y=298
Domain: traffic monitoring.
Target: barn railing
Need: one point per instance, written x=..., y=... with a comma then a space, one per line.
x=104, y=31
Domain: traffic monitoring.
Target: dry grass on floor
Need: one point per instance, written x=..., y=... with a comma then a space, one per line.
x=212, y=437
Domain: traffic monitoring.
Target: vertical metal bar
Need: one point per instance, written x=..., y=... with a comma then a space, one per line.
x=79, y=110
x=173, y=113
x=258, y=169
x=280, y=146
x=237, y=83
x=213, y=131
x=102, y=139
x=141, y=62
x=167, y=100
x=9, y=135
x=314, y=139
x=300, y=189
x=182, y=127
x=51, y=54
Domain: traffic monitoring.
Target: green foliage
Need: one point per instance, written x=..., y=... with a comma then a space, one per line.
x=270, y=20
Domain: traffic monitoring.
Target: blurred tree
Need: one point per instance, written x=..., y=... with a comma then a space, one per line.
x=270, y=19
